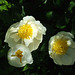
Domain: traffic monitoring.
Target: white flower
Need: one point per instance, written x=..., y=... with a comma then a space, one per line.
x=62, y=48
x=28, y=32
x=19, y=56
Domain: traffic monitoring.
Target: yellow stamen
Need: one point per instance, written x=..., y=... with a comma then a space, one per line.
x=25, y=31
x=19, y=55
x=60, y=46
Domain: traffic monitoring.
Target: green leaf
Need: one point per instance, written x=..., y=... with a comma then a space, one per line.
x=49, y=14
x=4, y=5
x=25, y=68
x=61, y=27
x=45, y=1
x=72, y=4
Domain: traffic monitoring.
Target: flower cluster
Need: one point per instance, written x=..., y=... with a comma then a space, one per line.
x=24, y=37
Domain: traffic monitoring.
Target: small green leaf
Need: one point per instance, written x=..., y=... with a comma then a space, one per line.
x=61, y=27
x=49, y=14
x=45, y=1
x=25, y=68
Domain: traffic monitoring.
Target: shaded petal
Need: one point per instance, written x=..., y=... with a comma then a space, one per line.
x=28, y=57
x=29, y=18
x=51, y=41
x=28, y=41
x=40, y=27
x=66, y=34
x=15, y=25
x=72, y=44
x=34, y=45
x=57, y=59
x=11, y=42
x=39, y=37
x=71, y=52
x=11, y=31
x=66, y=60
x=15, y=37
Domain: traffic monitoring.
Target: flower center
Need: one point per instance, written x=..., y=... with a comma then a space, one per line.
x=60, y=46
x=19, y=55
x=25, y=31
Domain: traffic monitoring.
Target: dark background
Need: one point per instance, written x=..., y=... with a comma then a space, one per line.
x=55, y=15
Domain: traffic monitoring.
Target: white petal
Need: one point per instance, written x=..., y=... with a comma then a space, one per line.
x=66, y=34
x=29, y=18
x=34, y=45
x=15, y=37
x=28, y=41
x=71, y=52
x=26, y=20
x=72, y=44
x=15, y=25
x=66, y=60
x=40, y=27
x=69, y=42
x=28, y=57
x=13, y=28
x=11, y=42
x=51, y=41
x=35, y=30
x=39, y=36
x=57, y=59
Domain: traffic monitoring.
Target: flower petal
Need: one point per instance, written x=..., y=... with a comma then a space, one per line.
x=15, y=37
x=11, y=31
x=34, y=45
x=29, y=18
x=28, y=41
x=66, y=34
x=71, y=52
x=57, y=59
x=39, y=37
x=40, y=27
x=66, y=60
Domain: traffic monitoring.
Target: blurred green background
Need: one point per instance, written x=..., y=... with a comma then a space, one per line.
x=55, y=15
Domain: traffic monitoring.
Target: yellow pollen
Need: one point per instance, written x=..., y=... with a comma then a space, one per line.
x=19, y=55
x=60, y=46
x=25, y=31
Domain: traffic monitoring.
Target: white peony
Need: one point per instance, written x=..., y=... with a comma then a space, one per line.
x=28, y=32
x=62, y=48
x=19, y=56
